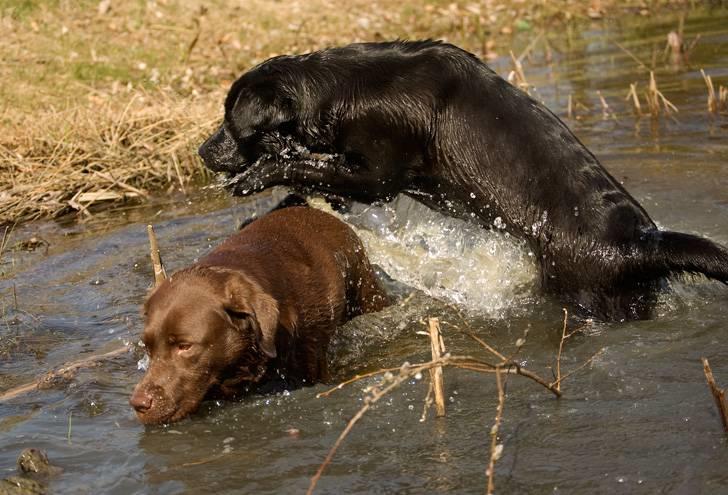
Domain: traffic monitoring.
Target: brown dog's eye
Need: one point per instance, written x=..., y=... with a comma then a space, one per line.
x=236, y=315
x=183, y=346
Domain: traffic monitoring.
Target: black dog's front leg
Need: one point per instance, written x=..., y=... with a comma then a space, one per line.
x=333, y=174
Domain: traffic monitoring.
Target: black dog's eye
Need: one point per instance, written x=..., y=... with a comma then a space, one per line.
x=184, y=346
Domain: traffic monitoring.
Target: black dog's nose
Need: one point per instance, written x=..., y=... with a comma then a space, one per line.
x=204, y=152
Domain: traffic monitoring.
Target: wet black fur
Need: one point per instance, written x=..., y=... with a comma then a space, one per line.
x=431, y=120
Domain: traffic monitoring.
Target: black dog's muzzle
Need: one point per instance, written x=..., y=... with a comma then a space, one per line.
x=220, y=153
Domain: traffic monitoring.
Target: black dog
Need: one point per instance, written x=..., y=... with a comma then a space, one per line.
x=368, y=121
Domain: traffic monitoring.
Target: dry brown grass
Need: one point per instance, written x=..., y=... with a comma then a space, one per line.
x=118, y=150
x=108, y=100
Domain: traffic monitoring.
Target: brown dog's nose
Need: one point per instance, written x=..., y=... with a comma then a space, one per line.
x=141, y=401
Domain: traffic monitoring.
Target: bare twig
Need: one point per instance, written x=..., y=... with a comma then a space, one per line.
x=407, y=371
x=193, y=43
x=355, y=379
x=368, y=403
x=469, y=332
x=631, y=55
x=530, y=46
x=495, y=448
x=65, y=371
x=718, y=103
x=517, y=77
x=159, y=273
x=635, y=99
x=436, y=372
x=654, y=97
x=570, y=108
x=718, y=394
x=561, y=348
x=6, y=238
x=557, y=383
x=428, y=403
x=606, y=111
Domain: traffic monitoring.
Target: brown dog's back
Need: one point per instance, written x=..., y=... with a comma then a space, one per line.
x=309, y=260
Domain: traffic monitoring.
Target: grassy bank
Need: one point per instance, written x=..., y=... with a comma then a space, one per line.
x=106, y=101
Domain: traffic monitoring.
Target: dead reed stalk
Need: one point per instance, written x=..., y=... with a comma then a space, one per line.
x=635, y=99
x=718, y=394
x=159, y=272
x=436, y=381
x=656, y=102
x=654, y=97
x=517, y=77
x=717, y=103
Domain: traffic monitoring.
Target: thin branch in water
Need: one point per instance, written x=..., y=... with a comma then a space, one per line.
x=631, y=55
x=368, y=403
x=65, y=371
x=578, y=368
x=472, y=335
x=428, y=403
x=355, y=379
x=718, y=394
x=495, y=448
x=159, y=273
x=561, y=349
x=436, y=346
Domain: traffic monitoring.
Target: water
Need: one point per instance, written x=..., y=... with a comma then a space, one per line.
x=639, y=419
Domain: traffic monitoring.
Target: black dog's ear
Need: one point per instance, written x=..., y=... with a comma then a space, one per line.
x=260, y=110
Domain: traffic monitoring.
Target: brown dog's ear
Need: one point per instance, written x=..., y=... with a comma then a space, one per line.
x=265, y=312
x=246, y=296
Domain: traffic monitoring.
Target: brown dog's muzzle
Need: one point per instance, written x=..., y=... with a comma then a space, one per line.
x=155, y=404
x=152, y=404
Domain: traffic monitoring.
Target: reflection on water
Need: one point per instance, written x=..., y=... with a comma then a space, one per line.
x=638, y=420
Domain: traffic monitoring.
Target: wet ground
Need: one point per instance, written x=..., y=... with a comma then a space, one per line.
x=639, y=419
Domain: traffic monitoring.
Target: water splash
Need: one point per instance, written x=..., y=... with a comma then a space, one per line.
x=485, y=271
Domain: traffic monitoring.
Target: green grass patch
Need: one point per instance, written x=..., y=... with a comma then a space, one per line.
x=95, y=71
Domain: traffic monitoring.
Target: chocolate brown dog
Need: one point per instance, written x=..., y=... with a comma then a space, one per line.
x=264, y=302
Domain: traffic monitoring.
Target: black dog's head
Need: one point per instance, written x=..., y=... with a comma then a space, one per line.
x=258, y=104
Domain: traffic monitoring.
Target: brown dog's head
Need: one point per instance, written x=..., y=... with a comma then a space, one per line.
x=206, y=329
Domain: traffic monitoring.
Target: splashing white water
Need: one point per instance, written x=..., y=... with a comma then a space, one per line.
x=452, y=260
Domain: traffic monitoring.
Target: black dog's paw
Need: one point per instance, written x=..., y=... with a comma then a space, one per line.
x=259, y=176
x=245, y=184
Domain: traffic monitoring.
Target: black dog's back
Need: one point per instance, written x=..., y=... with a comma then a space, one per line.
x=431, y=120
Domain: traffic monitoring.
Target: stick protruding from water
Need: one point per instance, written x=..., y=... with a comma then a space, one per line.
x=159, y=273
x=718, y=394
x=438, y=349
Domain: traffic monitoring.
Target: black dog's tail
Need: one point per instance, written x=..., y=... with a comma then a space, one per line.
x=291, y=199
x=675, y=252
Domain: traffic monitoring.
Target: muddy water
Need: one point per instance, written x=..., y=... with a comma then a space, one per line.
x=638, y=420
